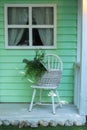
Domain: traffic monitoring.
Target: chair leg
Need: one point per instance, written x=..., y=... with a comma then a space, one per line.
x=33, y=96
x=60, y=104
x=40, y=99
x=53, y=106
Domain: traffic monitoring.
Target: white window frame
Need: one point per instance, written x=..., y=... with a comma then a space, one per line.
x=38, y=26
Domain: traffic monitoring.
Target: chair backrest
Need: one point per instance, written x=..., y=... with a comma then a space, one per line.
x=53, y=75
x=53, y=62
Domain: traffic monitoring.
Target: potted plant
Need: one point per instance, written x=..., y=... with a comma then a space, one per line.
x=35, y=68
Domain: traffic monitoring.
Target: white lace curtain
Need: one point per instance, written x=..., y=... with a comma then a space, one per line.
x=44, y=16
x=16, y=16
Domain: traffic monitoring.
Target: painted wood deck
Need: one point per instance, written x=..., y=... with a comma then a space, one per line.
x=67, y=115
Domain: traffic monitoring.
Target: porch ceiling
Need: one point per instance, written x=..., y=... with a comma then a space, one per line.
x=18, y=114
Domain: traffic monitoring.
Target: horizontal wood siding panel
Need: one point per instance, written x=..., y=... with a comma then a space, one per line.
x=7, y=54
x=25, y=98
x=15, y=79
x=19, y=66
x=13, y=86
x=25, y=86
x=67, y=16
x=18, y=73
x=19, y=59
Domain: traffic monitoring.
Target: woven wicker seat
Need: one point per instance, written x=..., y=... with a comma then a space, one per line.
x=50, y=80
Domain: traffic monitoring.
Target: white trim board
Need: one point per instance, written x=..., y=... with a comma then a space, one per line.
x=83, y=94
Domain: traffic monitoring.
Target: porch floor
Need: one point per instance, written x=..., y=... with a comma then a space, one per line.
x=68, y=113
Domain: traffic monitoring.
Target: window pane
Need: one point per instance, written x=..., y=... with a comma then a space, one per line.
x=18, y=37
x=42, y=37
x=42, y=15
x=18, y=15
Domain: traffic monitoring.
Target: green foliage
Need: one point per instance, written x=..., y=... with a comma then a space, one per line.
x=35, y=68
x=44, y=128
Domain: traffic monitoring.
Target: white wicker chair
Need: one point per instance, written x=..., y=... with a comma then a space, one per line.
x=50, y=79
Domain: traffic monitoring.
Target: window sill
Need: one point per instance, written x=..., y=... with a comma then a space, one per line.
x=32, y=47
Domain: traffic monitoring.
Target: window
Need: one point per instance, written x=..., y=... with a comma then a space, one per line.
x=30, y=26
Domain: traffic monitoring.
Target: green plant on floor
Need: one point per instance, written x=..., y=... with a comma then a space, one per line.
x=35, y=68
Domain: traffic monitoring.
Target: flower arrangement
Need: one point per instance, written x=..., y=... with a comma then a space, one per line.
x=35, y=68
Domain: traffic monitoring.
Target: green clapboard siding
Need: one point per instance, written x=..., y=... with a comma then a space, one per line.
x=13, y=86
